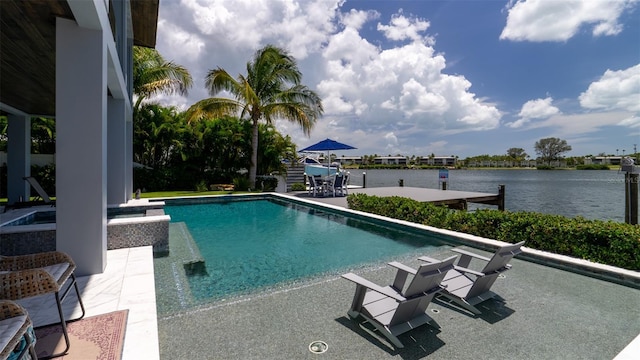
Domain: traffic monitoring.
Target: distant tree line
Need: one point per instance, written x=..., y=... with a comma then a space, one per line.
x=547, y=149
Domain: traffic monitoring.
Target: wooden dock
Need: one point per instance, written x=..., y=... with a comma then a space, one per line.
x=451, y=198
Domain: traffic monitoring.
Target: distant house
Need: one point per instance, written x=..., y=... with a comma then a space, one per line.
x=349, y=160
x=439, y=161
x=390, y=160
x=603, y=160
x=528, y=163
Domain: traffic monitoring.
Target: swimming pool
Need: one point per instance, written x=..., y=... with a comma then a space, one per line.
x=253, y=244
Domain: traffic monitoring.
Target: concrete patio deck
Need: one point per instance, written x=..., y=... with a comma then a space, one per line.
x=419, y=194
x=127, y=283
x=544, y=313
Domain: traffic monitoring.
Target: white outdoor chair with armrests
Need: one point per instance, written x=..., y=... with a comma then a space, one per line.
x=394, y=310
x=468, y=288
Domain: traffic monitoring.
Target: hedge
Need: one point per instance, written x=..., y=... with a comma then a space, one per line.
x=607, y=242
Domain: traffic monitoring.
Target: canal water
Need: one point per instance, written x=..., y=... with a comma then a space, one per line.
x=593, y=194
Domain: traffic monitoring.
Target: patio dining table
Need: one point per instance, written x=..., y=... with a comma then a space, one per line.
x=324, y=183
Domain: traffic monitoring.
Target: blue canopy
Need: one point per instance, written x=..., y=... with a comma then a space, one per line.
x=328, y=144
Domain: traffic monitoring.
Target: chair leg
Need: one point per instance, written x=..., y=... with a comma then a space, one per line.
x=32, y=345
x=75, y=285
x=63, y=322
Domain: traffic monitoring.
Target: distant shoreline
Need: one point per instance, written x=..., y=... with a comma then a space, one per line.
x=611, y=168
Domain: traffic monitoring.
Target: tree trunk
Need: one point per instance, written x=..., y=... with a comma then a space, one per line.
x=253, y=167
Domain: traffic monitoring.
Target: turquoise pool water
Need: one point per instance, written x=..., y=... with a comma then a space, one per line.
x=249, y=245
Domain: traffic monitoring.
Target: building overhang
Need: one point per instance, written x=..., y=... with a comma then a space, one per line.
x=27, y=49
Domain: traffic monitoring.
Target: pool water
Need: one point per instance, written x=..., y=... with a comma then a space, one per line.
x=249, y=245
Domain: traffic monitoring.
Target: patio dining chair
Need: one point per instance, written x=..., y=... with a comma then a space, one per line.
x=26, y=276
x=315, y=186
x=335, y=186
x=343, y=190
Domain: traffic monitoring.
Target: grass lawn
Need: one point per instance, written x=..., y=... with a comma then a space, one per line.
x=160, y=194
x=183, y=193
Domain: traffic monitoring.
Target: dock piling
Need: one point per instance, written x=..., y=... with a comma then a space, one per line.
x=501, y=192
x=631, y=197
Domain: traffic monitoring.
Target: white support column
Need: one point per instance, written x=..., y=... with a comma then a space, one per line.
x=129, y=130
x=81, y=145
x=18, y=157
x=129, y=155
x=116, y=158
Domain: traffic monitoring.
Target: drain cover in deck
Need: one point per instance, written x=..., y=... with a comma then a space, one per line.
x=318, y=347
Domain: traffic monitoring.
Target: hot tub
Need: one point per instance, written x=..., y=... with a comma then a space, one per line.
x=140, y=223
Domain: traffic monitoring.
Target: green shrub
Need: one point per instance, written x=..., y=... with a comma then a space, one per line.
x=266, y=183
x=298, y=187
x=607, y=242
x=592, y=167
x=201, y=186
x=241, y=184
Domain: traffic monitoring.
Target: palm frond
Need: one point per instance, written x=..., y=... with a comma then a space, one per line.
x=153, y=75
x=212, y=108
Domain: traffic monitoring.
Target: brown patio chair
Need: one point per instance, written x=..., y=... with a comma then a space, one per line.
x=17, y=339
x=26, y=276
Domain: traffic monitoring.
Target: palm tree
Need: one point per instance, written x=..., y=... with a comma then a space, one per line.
x=158, y=135
x=270, y=90
x=153, y=75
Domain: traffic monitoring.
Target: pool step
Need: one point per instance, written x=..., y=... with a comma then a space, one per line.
x=154, y=212
x=193, y=261
x=173, y=271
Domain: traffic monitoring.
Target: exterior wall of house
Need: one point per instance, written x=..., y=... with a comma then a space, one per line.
x=81, y=138
x=603, y=160
x=349, y=160
x=438, y=161
x=94, y=129
x=91, y=129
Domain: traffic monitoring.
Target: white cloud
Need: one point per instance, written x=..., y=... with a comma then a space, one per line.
x=615, y=90
x=549, y=20
x=392, y=144
x=534, y=109
x=176, y=37
x=632, y=122
x=373, y=96
x=404, y=28
x=401, y=85
x=577, y=124
x=356, y=18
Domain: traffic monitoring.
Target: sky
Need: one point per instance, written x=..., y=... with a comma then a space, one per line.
x=421, y=77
